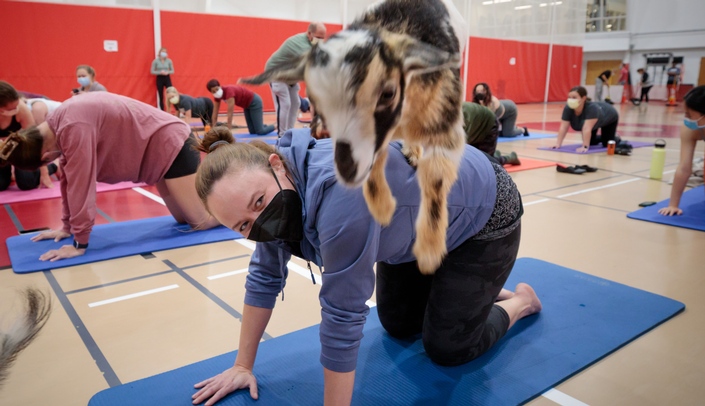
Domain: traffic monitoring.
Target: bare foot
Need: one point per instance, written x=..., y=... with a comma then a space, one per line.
x=504, y=295
x=527, y=294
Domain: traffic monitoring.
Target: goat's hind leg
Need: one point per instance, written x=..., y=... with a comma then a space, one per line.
x=437, y=172
x=378, y=196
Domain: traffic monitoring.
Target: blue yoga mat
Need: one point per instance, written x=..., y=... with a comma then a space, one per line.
x=246, y=135
x=584, y=319
x=114, y=240
x=693, y=206
x=532, y=136
x=594, y=149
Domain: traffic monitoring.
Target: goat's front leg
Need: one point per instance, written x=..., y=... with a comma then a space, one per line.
x=378, y=196
x=437, y=172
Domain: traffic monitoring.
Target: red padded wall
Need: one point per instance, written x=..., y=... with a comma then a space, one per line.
x=45, y=42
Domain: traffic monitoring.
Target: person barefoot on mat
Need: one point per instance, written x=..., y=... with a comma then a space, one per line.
x=693, y=130
x=289, y=202
x=505, y=110
x=588, y=117
x=109, y=138
x=249, y=101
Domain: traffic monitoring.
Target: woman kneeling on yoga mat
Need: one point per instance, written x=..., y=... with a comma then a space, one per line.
x=109, y=138
x=588, y=117
x=693, y=130
x=289, y=201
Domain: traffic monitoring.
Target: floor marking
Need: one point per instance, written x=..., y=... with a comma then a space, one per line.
x=13, y=217
x=102, y=285
x=598, y=188
x=536, y=202
x=103, y=365
x=561, y=398
x=105, y=215
x=226, y=274
x=133, y=295
x=671, y=171
x=149, y=195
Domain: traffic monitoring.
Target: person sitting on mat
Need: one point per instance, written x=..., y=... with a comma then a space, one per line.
x=289, y=202
x=505, y=110
x=104, y=137
x=480, y=126
x=85, y=75
x=249, y=101
x=588, y=117
x=201, y=107
x=693, y=130
x=14, y=116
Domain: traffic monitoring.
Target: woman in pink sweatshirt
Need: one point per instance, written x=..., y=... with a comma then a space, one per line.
x=104, y=137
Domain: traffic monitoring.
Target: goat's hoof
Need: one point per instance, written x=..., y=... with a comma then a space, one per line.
x=429, y=256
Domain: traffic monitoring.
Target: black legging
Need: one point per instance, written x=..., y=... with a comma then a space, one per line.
x=162, y=83
x=608, y=133
x=26, y=180
x=454, y=309
x=645, y=93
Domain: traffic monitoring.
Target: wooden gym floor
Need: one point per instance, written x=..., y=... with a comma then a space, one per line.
x=577, y=221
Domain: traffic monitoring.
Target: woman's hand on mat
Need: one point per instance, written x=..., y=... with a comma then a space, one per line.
x=221, y=385
x=582, y=149
x=56, y=235
x=670, y=211
x=45, y=179
x=67, y=251
x=556, y=146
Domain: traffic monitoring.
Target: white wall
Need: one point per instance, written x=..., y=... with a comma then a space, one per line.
x=676, y=26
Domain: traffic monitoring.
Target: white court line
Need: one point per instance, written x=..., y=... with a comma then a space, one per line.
x=149, y=195
x=561, y=398
x=671, y=171
x=536, y=202
x=223, y=275
x=296, y=268
x=132, y=296
x=598, y=188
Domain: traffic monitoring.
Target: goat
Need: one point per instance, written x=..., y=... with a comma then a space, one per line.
x=20, y=333
x=393, y=74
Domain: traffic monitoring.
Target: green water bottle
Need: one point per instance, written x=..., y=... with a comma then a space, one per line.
x=658, y=159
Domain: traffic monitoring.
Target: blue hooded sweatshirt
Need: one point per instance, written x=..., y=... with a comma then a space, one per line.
x=341, y=236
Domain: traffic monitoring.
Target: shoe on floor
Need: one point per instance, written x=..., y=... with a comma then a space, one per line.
x=570, y=169
x=513, y=159
x=526, y=132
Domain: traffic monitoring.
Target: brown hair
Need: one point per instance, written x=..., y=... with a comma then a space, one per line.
x=579, y=90
x=228, y=157
x=22, y=149
x=695, y=99
x=88, y=69
x=8, y=94
x=487, y=99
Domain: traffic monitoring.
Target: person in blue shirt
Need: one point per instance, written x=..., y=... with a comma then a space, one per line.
x=289, y=201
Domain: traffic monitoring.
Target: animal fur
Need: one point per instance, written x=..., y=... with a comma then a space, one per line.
x=393, y=74
x=17, y=336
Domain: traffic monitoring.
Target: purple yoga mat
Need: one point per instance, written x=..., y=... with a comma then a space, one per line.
x=594, y=149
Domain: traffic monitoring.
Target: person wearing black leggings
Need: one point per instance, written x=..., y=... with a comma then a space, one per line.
x=162, y=68
x=588, y=117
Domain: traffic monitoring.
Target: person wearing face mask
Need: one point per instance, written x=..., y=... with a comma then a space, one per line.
x=201, y=107
x=162, y=68
x=693, y=130
x=588, y=117
x=288, y=200
x=14, y=116
x=505, y=110
x=85, y=76
x=286, y=95
x=249, y=101
x=104, y=137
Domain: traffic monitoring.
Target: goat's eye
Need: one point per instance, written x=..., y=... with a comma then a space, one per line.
x=386, y=98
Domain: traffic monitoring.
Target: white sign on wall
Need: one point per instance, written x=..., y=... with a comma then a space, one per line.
x=110, y=45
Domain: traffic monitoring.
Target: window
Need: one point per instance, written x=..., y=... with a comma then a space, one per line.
x=606, y=15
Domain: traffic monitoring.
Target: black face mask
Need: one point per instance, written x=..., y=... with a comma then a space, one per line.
x=281, y=219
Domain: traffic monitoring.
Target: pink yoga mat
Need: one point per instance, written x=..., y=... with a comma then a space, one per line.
x=14, y=195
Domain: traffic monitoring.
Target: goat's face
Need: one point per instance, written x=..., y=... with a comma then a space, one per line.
x=356, y=81
x=356, y=85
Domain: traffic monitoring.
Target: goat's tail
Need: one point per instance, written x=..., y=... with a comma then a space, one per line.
x=20, y=333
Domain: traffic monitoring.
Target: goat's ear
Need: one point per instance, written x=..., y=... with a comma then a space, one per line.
x=420, y=57
x=288, y=71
